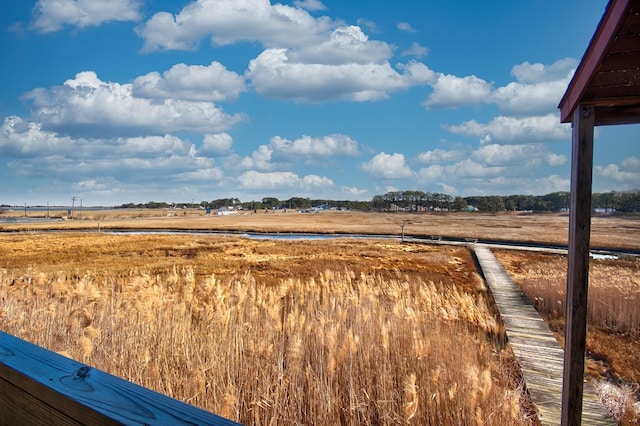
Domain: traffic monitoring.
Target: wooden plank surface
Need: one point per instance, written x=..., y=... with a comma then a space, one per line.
x=41, y=387
x=540, y=356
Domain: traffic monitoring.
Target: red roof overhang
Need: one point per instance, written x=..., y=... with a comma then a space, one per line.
x=608, y=77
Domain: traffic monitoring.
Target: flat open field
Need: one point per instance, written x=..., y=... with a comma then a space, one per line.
x=609, y=231
x=291, y=313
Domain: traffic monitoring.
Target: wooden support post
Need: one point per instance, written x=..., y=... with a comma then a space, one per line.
x=578, y=267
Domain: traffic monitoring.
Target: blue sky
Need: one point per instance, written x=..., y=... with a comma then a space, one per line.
x=137, y=100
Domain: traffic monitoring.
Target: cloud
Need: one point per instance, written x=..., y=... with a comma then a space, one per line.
x=511, y=155
x=450, y=91
x=344, y=45
x=416, y=50
x=210, y=83
x=490, y=168
x=312, y=5
x=306, y=59
x=274, y=75
x=216, y=144
x=538, y=88
x=353, y=192
x=260, y=159
x=536, y=91
x=387, y=166
x=514, y=130
x=555, y=160
x=281, y=153
x=230, y=21
x=404, y=26
x=254, y=180
x=527, y=73
x=208, y=174
x=441, y=155
x=51, y=15
x=631, y=163
x=20, y=138
x=306, y=146
x=87, y=106
x=626, y=174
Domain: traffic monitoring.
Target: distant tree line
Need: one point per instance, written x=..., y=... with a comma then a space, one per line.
x=553, y=202
x=628, y=201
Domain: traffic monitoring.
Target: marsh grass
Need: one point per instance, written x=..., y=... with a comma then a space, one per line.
x=340, y=347
x=613, y=335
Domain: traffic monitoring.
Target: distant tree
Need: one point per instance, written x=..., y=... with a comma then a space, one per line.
x=378, y=202
x=459, y=204
x=557, y=201
x=297, y=203
x=270, y=202
x=628, y=202
x=606, y=201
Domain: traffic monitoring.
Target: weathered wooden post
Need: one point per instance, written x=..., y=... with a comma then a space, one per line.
x=578, y=264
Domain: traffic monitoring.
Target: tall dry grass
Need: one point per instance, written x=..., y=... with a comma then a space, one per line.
x=613, y=336
x=614, y=290
x=340, y=348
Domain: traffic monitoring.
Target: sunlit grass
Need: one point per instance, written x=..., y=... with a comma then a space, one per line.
x=337, y=348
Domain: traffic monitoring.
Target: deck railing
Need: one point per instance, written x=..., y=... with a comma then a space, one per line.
x=40, y=387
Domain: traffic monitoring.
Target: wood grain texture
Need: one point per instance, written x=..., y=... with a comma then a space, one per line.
x=538, y=353
x=38, y=386
x=578, y=263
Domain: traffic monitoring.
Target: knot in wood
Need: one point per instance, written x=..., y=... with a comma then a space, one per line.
x=83, y=372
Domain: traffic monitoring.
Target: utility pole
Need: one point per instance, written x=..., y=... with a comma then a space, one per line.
x=73, y=205
x=81, y=210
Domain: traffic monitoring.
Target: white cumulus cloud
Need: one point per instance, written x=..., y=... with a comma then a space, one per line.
x=216, y=144
x=87, y=106
x=230, y=21
x=307, y=146
x=52, y=15
x=627, y=173
x=506, y=129
x=450, y=91
x=209, y=83
x=387, y=166
x=274, y=75
x=281, y=180
x=537, y=90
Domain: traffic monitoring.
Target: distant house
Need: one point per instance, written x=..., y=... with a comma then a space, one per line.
x=225, y=211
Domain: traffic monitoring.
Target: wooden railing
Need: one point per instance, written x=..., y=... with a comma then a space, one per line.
x=40, y=387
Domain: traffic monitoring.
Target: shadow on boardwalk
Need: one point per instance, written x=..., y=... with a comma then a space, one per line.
x=540, y=356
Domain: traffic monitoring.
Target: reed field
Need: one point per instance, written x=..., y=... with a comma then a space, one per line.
x=266, y=332
x=613, y=333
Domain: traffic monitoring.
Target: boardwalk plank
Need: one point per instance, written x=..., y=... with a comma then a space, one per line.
x=540, y=356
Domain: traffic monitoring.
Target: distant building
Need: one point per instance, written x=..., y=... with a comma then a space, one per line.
x=225, y=211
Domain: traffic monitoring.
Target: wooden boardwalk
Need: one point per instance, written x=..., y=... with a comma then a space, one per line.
x=540, y=356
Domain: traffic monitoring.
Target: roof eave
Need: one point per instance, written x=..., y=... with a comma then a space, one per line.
x=593, y=57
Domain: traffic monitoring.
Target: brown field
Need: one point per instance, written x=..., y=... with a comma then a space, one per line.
x=324, y=332
x=607, y=230
x=613, y=332
x=321, y=332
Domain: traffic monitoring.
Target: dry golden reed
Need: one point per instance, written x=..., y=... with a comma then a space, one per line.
x=339, y=348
